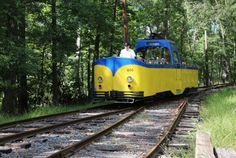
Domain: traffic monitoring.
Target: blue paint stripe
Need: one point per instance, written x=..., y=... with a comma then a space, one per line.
x=115, y=63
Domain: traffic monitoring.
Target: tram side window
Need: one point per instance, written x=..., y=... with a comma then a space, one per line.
x=165, y=56
x=175, y=57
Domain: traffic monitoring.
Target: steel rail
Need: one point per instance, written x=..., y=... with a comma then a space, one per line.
x=10, y=124
x=181, y=108
x=216, y=85
x=52, y=127
x=69, y=150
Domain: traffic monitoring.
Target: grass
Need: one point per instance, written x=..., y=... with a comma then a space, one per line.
x=46, y=110
x=219, y=118
x=218, y=112
x=185, y=153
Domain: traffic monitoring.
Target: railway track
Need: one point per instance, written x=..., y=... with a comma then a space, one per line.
x=139, y=134
x=22, y=136
x=182, y=138
x=51, y=117
x=26, y=130
x=60, y=141
x=100, y=133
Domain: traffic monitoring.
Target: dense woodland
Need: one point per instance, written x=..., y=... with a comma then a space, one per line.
x=47, y=47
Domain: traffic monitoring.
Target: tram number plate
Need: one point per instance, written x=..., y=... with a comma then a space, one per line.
x=130, y=70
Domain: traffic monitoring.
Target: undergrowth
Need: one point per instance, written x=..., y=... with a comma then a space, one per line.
x=219, y=118
x=44, y=110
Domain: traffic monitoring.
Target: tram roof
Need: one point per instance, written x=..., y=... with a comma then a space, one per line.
x=143, y=43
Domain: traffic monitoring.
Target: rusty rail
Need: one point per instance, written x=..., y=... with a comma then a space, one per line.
x=181, y=108
x=10, y=124
x=69, y=150
x=52, y=127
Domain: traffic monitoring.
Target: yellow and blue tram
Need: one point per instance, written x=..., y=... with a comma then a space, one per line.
x=157, y=69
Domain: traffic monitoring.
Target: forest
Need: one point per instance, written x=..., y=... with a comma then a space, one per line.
x=47, y=47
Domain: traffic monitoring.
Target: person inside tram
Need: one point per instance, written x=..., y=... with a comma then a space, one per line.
x=127, y=52
x=163, y=61
x=139, y=57
x=157, y=61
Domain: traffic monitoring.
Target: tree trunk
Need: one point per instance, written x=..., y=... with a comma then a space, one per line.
x=212, y=79
x=82, y=75
x=113, y=28
x=55, y=79
x=126, y=37
x=219, y=72
x=88, y=74
x=97, y=42
x=92, y=82
x=41, y=78
x=78, y=78
x=230, y=71
x=206, y=61
x=234, y=76
x=9, y=104
x=166, y=20
x=23, y=94
x=182, y=41
x=10, y=94
x=222, y=75
x=182, y=38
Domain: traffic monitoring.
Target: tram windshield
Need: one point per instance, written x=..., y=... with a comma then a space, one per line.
x=154, y=55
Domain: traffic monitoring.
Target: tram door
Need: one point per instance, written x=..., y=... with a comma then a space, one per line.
x=177, y=62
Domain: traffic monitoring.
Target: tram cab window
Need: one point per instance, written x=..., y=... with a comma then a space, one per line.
x=165, y=56
x=151, y=54
x=140, y=55
x=155, y=55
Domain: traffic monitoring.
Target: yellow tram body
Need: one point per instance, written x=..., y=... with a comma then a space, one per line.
x=149, y=80
x=119, y=78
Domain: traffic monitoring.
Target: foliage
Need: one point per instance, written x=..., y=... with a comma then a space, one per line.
x=219, y=120
x=26, y=53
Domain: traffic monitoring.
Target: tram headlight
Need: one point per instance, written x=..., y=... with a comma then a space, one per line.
x=100, y=79
x=129, y=79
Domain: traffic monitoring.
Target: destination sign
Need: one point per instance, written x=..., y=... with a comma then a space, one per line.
x=153, y=44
